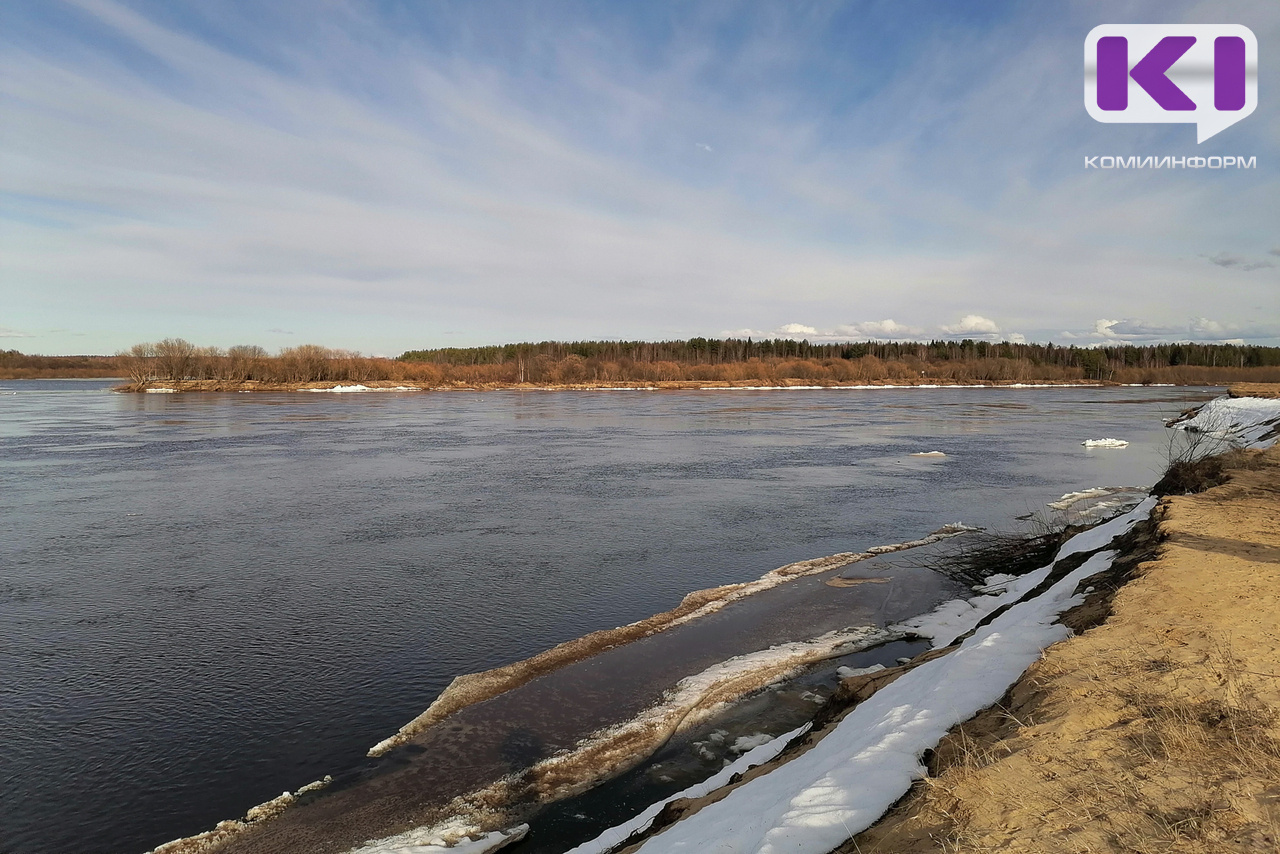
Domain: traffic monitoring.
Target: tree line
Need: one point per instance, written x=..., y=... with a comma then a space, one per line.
x=693, y=360
x=176, y=359
x=18, y=365
x=1092, y=362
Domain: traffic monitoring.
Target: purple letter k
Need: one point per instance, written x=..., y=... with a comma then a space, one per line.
x=1149, y=73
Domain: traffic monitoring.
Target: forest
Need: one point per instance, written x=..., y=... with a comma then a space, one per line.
x=705, y=360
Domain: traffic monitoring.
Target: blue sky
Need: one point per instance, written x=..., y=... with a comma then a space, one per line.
x=390, y=175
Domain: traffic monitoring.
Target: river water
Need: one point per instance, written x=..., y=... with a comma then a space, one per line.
x=208, y=599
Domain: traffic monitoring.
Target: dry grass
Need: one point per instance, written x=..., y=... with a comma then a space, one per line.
x=1189, y=774
x=1156, y=729
x=1189, y=473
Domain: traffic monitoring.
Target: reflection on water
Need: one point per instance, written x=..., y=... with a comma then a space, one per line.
x=208, y=599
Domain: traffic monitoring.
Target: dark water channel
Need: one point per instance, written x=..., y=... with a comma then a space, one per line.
x=206, y=600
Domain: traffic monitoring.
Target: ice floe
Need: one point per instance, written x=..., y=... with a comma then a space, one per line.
x=1099, y=502
x=928, y=454
x=1070, y=498
x=743, y=743
x=1105, y=443
x=453, y=837
x=858, y=387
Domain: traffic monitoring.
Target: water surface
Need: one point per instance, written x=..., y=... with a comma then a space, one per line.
x=206, y=600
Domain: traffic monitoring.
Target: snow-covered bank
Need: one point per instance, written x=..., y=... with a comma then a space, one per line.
x=869, y=760
x=1242, y=421
x=952, y=619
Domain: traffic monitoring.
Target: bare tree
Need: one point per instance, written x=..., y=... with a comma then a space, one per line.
x=139, y=361
x=245, y=362
x=175, y=358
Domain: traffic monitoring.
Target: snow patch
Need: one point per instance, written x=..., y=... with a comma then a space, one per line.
x=953, y=618
x=342, y=389
x=1250, y=422
x=162, y=391
x=748, y=760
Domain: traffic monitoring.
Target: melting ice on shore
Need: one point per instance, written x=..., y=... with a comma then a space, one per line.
x=846, y=781
x=453, y=837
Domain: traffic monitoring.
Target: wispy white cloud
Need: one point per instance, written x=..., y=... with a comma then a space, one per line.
x=1236, y=262
x=376, y=189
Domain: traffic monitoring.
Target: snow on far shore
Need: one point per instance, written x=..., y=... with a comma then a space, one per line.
x=1240, y=421
x=852, y=776
x=341, y=389
x=845, y=387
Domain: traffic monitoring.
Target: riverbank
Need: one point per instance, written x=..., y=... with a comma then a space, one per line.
x=1157, y=729
x=188, y=386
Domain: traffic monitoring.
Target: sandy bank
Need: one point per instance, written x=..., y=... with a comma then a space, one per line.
x=1157, y=730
